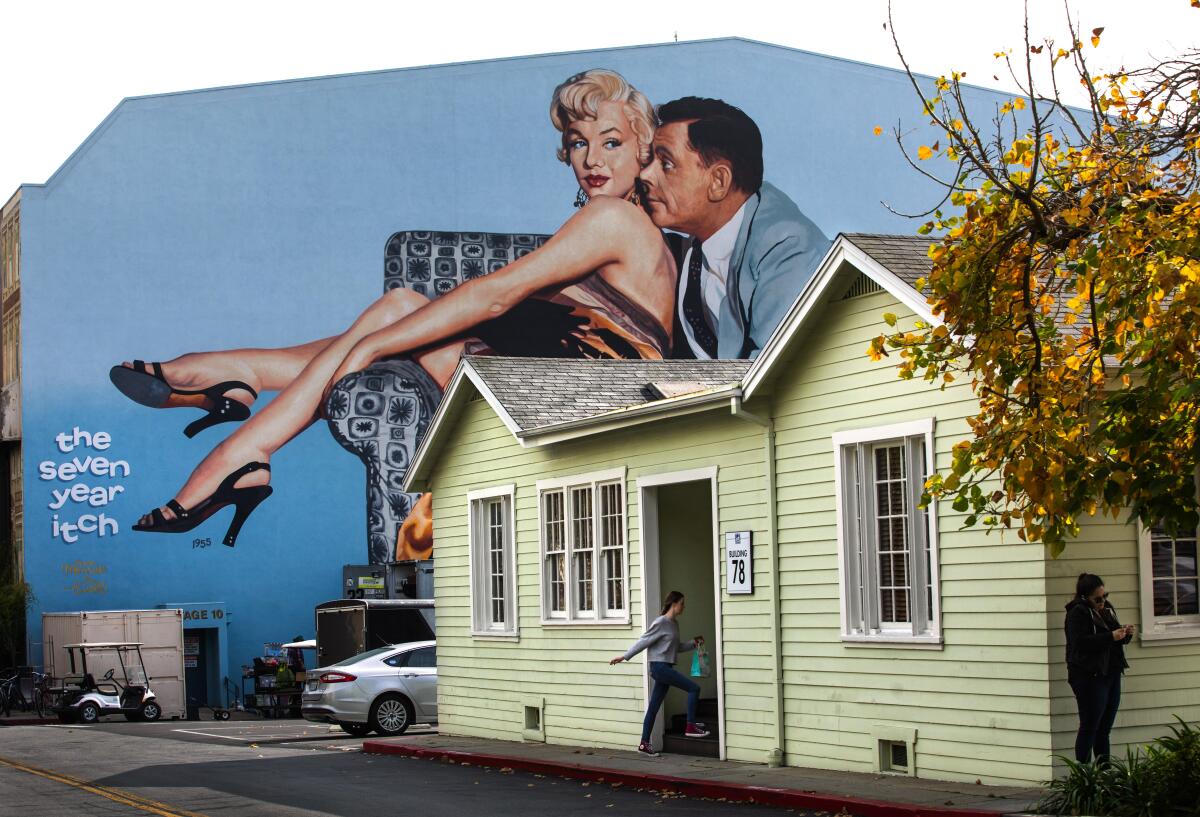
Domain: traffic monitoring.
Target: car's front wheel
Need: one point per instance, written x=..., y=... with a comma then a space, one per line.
x=391, y=715
x=89, y=713
x=358, y=730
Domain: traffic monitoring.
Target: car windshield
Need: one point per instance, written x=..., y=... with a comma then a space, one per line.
x=354, y=659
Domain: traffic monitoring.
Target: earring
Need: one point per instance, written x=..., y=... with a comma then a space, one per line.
x=581, y=198
x=637, y=193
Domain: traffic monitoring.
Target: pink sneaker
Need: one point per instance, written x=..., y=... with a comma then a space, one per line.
x=646, y=749
x=695, y=730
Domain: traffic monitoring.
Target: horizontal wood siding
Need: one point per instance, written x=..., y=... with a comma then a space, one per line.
x=981, y=704
x=484, y=682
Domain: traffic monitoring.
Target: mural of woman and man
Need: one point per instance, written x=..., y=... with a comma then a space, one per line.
x=679, y=249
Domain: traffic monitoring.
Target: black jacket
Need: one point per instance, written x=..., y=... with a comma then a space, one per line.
x=1091, y=649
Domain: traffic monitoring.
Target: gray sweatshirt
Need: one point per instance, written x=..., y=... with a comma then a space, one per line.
x=661, y=641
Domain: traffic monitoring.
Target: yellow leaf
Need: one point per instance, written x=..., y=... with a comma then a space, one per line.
x=1019, y=104
x=878, y=130
x=923, y=152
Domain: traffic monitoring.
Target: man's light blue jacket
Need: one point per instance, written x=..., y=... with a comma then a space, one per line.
x=777, y=251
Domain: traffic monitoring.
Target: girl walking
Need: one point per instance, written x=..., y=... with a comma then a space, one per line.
x=661, y=641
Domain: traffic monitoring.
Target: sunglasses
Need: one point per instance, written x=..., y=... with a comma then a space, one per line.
x=1098, y=599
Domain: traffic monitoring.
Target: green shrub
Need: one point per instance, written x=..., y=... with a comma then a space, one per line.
x=1162, y=781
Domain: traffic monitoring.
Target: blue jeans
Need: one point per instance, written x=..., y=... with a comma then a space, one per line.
x=666, y=676
x=1098, y=697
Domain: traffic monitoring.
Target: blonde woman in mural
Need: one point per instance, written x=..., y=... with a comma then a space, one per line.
x=606, y=279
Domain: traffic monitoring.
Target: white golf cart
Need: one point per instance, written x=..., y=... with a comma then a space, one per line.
x=85, y=700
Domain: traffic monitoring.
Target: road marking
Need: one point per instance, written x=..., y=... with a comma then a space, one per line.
x=231, y=726
x=116, y=795
x=240, y=739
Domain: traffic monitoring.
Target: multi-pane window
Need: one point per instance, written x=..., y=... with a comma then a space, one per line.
x=10, y=253
x=493, y=567
x=583, y=550
x=612, y=547
x=554, y=540
x=888, y=557
x=1170, y=584
x=1173, y=569
x=494, y=510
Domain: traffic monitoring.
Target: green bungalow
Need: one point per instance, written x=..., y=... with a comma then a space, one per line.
x=848, y=630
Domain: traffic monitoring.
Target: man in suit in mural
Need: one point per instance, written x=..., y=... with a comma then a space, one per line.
x=748, y=249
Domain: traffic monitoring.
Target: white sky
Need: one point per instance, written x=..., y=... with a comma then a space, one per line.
x=65, y=64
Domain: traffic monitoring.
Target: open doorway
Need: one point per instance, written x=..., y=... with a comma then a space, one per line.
x=201, y=669
x=679, y=534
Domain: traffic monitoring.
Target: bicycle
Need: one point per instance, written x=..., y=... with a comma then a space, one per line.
x=46, y=697
x=10, y=694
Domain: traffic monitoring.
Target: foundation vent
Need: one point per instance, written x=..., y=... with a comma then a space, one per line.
x=894, y=756
x=895, y=749
x=534, y=725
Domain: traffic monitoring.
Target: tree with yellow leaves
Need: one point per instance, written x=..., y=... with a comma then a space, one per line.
x=1066, y=285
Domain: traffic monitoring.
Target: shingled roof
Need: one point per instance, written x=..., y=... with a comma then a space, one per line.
x=537, y=392
x=905, y=256
x=544, y=401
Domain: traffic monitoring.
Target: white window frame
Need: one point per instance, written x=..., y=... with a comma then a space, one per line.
x=482, y=625
x=1162, y=629
x=599, y=615
x=858, y=611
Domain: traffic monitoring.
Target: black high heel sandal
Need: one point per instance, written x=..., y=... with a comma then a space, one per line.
x=151, y=389
x=244, y=500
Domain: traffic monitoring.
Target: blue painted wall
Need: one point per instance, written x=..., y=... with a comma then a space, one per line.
x=257, y=215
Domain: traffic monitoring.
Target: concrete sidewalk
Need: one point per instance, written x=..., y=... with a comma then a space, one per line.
x=862, y=795
x=21, y=718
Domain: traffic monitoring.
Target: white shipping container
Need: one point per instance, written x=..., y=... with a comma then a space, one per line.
x=159, y=631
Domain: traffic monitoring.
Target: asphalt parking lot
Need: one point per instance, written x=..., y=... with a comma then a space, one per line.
x=287, y=768
x=291, y=732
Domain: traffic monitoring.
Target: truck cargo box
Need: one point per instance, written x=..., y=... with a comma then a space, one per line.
x=346, y=627
x=159, y=631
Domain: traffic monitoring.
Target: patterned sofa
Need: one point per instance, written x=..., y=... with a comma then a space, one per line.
x=380, y=414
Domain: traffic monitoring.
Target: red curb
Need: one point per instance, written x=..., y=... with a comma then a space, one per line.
x=734, y=792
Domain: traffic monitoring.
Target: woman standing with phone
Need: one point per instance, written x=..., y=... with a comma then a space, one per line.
x=661, y=641
x=1095, y=662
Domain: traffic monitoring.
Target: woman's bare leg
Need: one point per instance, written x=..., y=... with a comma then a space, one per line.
x=260, y=369
x=296, y=406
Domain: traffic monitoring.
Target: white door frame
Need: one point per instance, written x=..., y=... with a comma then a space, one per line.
x=648, y=535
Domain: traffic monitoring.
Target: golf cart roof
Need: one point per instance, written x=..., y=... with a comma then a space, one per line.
x=105, y=645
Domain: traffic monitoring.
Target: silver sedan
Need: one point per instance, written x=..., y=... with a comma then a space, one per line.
x=385, y=690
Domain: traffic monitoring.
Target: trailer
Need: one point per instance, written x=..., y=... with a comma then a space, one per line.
x=159, y=632
x=346, y=627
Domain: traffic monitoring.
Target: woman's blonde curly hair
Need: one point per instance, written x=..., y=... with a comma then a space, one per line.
x=580, y=96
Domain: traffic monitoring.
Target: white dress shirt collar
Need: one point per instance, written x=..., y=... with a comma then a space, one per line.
x=718, y=251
